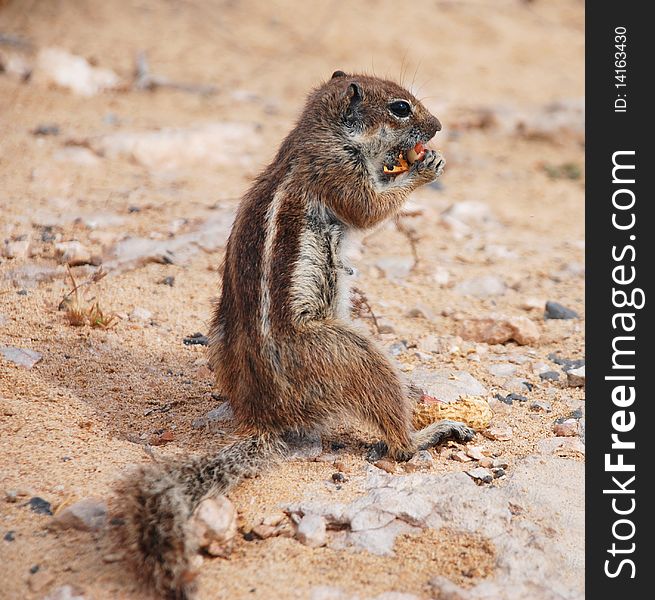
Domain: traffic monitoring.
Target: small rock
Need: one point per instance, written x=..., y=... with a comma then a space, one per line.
x=516, y=385
x=73, y=253
x=498, y=330
x=140, y=315
x=169, y=281
x=487, y=462
x=55, y=65
x=385, y=327
x=217, y=415
x=566, y=363
x=511, y=398
x=533, y=304
x=499, y=432
x=76, y=155
x=541, y=406
x=441, y=276
x=89, y=514
x=549, y=376
x=561, y=446
x=498, y=472
x=196, y=339
x=16, y=249
x=469, y=213
x=576, y=377
x=386, y=465
x=22, y=357
x=312, y=531
x=481, y=474
x=46, y=129
x=567, y=428
x=420, y=311
x=398, y=348
x=447, y=386
x=485, y=286
x=395, y=267
x=214, y=522
x=338, y=477
x=554, y=310
x=40, y=506
x=502, y=369
x=475, y=452
x=65, y=592
x=461, y=456
x=422, y=459
x=9, y=536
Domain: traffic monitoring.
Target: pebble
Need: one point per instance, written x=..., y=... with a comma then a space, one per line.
x=485, y=286
x=447, y=386
x=339, y=477
x=469, y=213
x=498, y=330
x=422, y=459
x=441, y=276
x=511, y=398
x=23, y=357
x=461, y=456
x=533, y=304
x=65, y=592
x=566, y=363
x=541, y=406
x=386, y=465
x=498, y=472
x=576, y=377
x=58, y=66
x=420, y=311
x=89, y=514
x=516, y=385
x=561, y=446
x=554, y=310
x=481, y=474
x=196, y=339
x=73, y=253
x=398, y=348
x=475, y=452
x=549, y=376
x=169, y=281
x=499, y=432
x=311, y=531
x=502, y=369
x=566, y=428
x=39, y=506
x=140, y=315
x=10, y=536
x=214, y=522
x=16, y=249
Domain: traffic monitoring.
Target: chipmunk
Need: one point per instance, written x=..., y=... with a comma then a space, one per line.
x=281, y=345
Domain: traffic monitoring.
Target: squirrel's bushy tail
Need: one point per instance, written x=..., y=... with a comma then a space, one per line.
x=160, y=498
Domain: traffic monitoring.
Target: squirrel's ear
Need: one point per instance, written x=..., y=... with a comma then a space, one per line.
x=354, y=94
x=337, y=74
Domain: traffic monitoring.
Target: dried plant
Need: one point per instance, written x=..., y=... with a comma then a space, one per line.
x=80, y=311
x=412, y=238
x=361, y=308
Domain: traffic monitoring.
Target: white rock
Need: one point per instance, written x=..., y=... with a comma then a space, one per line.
x=170, y=148
x=447, y=386
x=65, y=592
x=481, y=474
x=470, y=213
x=140, y=315
x=484, y=286
x=57, y=66
x=441, y=276
x=395, y=267
x=214, y=523
x=22, y=357
x=18, y=249
x=74, y=253
x=89, y=514
x=312, y=531
x=76, y=155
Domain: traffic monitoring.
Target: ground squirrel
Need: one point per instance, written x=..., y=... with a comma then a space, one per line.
x=281, y=345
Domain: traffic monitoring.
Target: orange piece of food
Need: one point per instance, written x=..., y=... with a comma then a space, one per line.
x=401, y=167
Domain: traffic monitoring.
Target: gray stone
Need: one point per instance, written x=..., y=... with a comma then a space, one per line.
x=485, y=286
x=481, y=474
x=312, y=531
x=422, y=459
x=89, y=514
x=23, y=357
x=554, y=310
x=447, y=386
x=220, y=414
x=541, y=406
x=576, y=377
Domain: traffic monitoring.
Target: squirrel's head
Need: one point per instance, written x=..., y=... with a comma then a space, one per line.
x=376, y=121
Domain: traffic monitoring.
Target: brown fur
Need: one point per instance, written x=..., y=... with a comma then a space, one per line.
x=281, y=345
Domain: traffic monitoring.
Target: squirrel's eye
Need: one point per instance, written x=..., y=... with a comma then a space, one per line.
x=400, y=108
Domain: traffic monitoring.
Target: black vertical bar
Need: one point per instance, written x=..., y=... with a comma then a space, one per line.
x=619, y=129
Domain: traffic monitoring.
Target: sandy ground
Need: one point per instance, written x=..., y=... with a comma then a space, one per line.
x=69, y=425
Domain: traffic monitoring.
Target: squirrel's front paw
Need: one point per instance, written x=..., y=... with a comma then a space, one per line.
x=432, y=165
